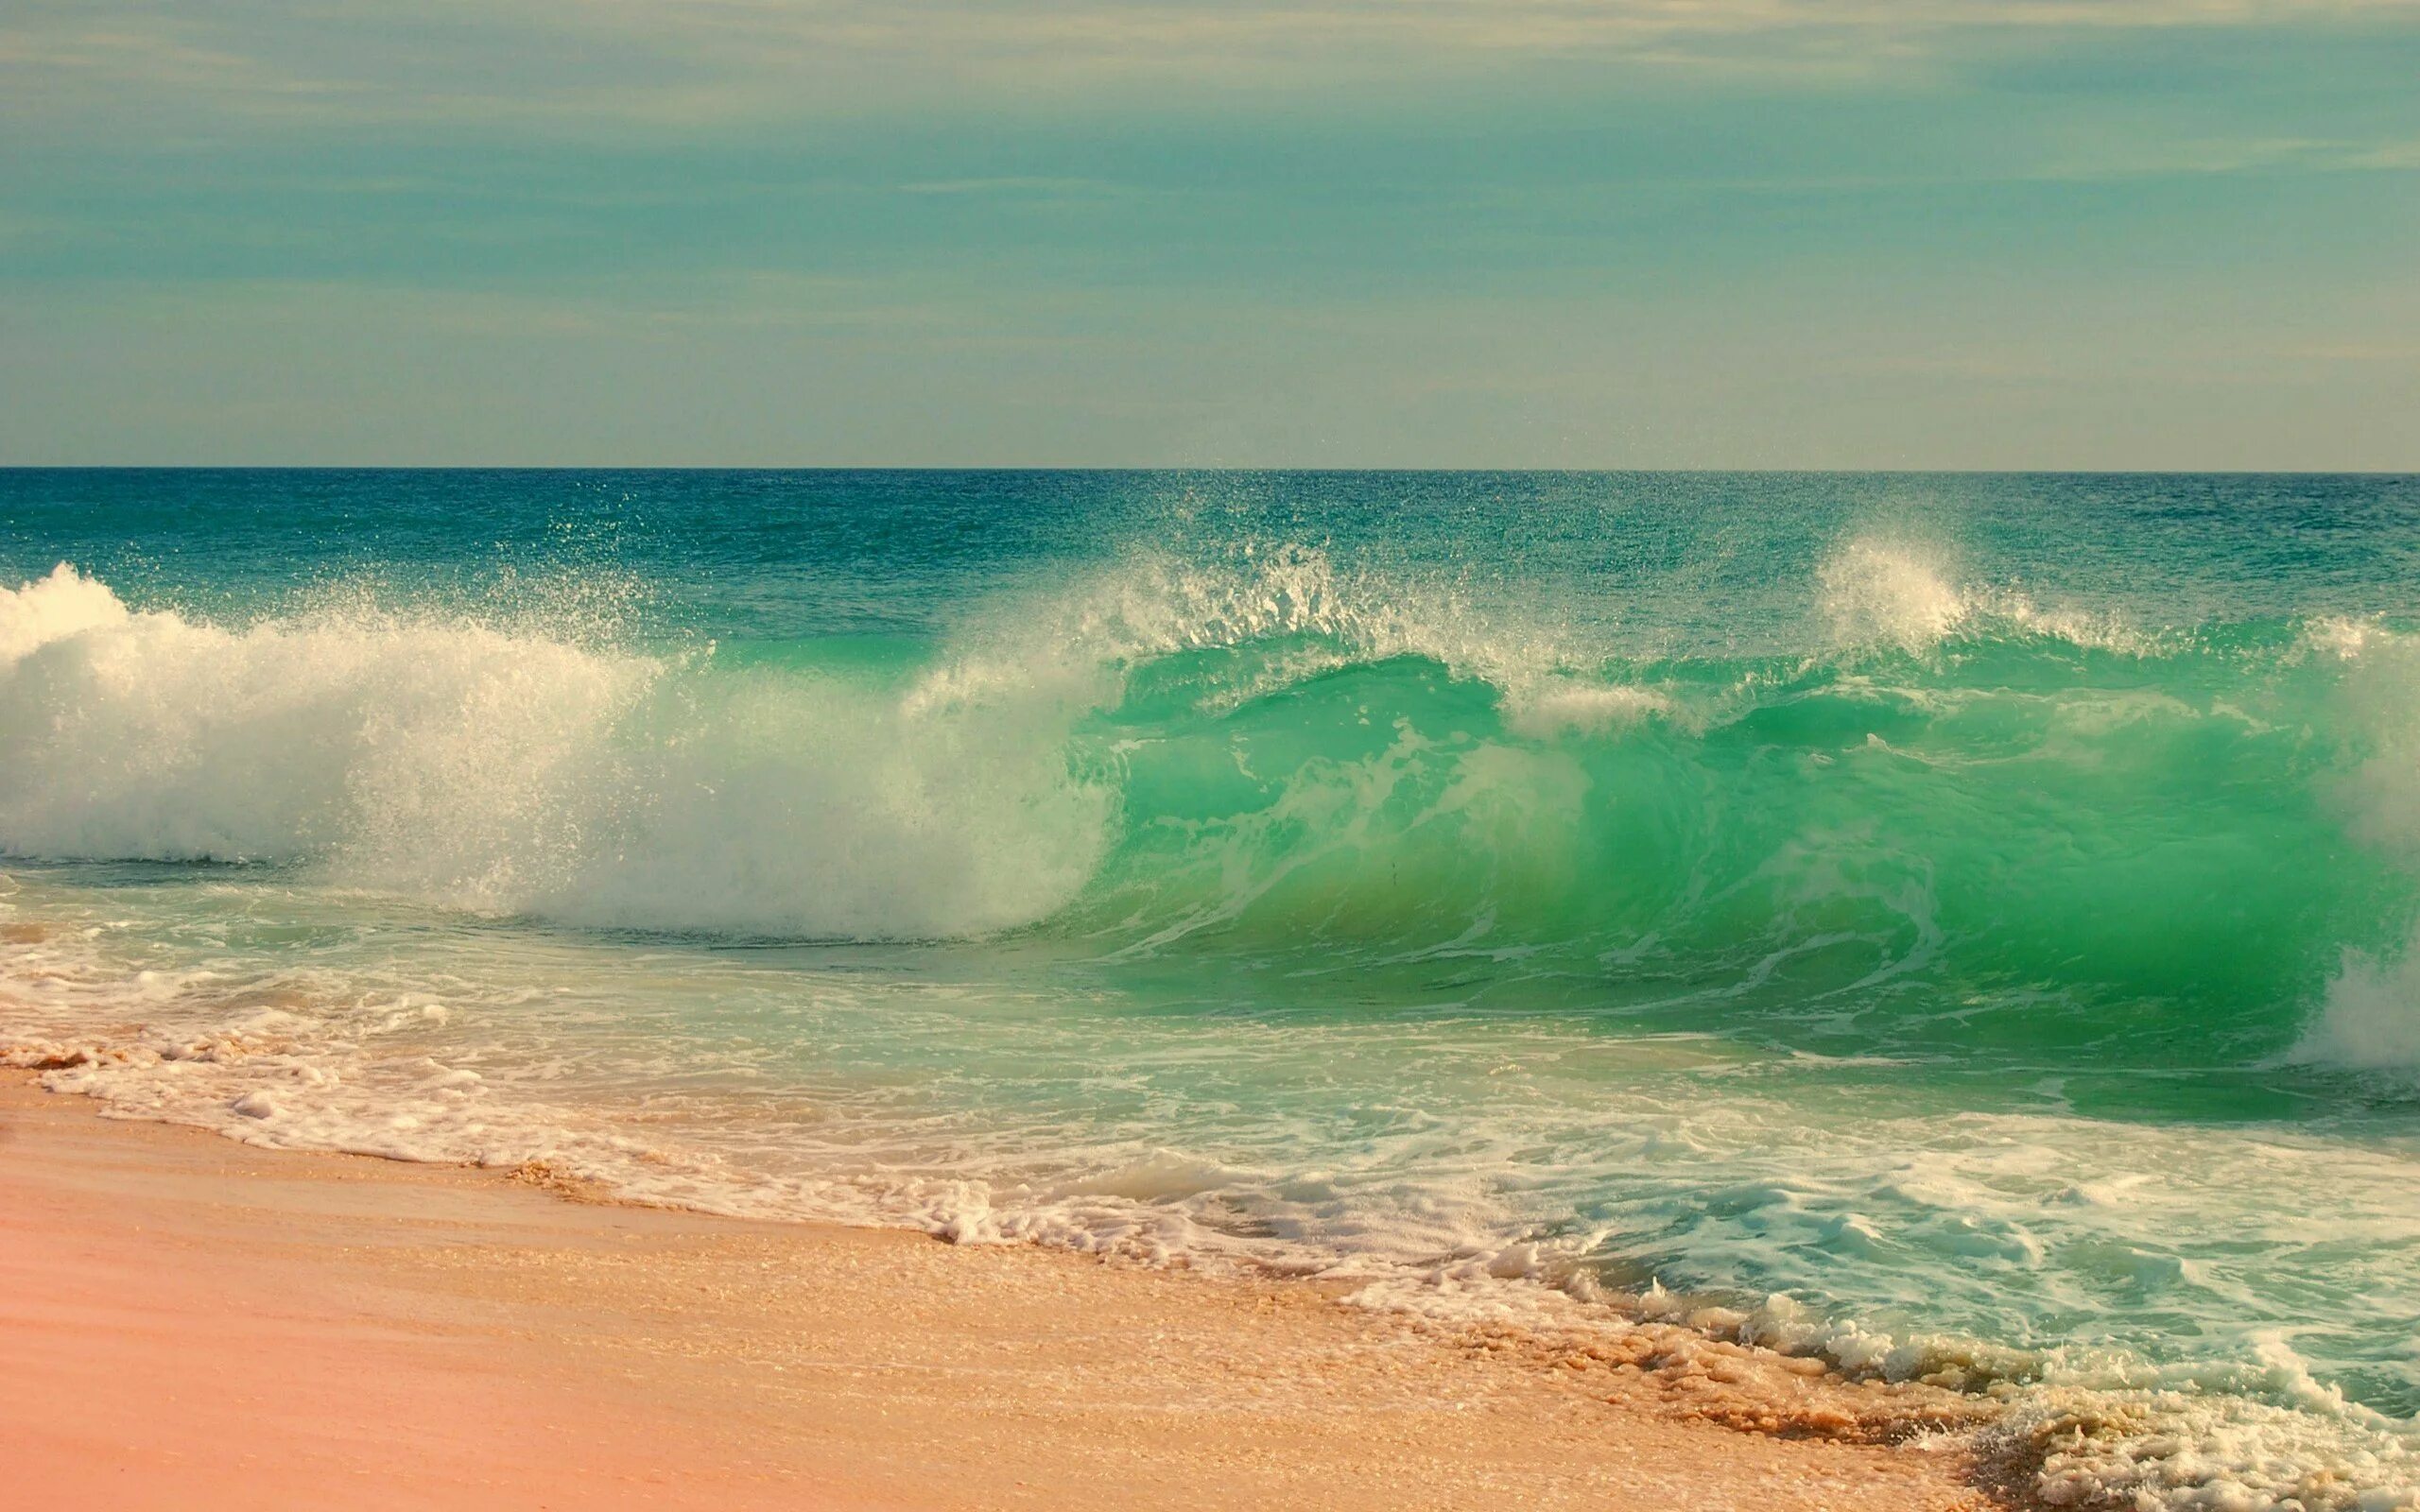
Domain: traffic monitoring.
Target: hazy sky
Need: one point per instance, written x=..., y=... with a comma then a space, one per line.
x=1424, y=233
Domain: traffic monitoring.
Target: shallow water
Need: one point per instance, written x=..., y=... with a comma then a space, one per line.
x=1963, y=922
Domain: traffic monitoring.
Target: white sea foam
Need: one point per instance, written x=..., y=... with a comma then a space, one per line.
x=2175, y=1452
x=56, y=608
x=376, y=1064
x=1880, y=591
x=2092, y=1438
x=488, y=766
x=1151, y=604
x=1876, y=591
x=2380, y=694
x=2369, y=1018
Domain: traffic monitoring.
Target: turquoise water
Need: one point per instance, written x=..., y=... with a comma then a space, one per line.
x=1963, y=924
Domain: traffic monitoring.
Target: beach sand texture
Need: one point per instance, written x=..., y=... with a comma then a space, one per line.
x=188, y=1323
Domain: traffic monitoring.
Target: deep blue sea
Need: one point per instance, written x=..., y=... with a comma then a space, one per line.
x=1958, y=925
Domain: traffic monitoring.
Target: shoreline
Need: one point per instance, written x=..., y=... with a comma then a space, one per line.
x=194, y=1322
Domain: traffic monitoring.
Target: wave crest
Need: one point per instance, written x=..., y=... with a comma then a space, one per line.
x=448, y=759
x=1877, y=593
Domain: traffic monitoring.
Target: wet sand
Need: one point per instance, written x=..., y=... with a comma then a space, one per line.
x=187, y=1322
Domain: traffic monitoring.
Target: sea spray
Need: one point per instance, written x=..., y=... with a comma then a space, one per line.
x=2370, y=1019
x=446, y=759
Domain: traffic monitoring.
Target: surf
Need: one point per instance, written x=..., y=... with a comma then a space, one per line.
x=1926, y=939
x=1271, y=759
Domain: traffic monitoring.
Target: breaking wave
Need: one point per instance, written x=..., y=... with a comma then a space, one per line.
x=1270, y=755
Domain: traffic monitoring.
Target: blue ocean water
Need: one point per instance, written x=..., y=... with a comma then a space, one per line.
x=1962, y=924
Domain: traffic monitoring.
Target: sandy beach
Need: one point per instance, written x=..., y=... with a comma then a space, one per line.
x=187, y=1322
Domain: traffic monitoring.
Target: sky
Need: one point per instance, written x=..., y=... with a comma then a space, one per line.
x=1854, y=234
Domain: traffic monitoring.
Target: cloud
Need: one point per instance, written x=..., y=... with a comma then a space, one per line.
x=1154, y=31
x=2395, y=157
x=1023, y=184
x=707, y=61
x=2214, y=156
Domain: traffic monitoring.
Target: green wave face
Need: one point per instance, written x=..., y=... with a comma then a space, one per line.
x=2008, y=850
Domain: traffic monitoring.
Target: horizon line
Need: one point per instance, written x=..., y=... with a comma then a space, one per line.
x=1220, y=468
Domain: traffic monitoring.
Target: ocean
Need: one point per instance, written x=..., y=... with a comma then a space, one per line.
x=1962, y=926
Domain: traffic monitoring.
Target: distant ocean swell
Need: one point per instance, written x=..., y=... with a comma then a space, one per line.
x=1267, y=759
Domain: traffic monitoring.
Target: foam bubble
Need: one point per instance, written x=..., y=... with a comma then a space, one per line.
x=2171, y=1451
